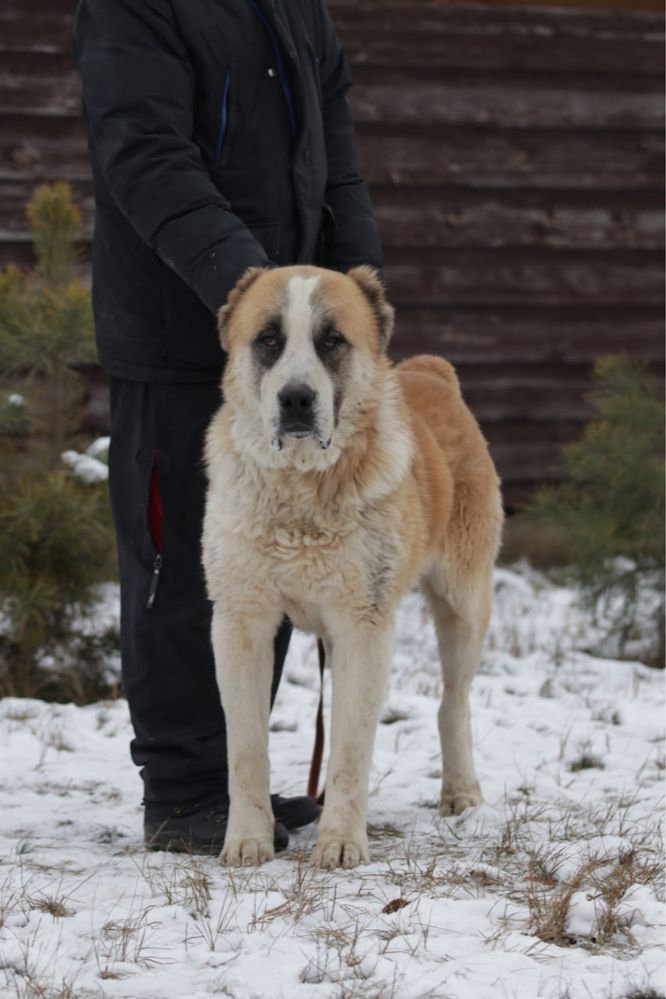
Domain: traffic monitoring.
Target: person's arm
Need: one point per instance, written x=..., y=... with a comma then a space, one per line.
x=138, y=96
x=351, y=236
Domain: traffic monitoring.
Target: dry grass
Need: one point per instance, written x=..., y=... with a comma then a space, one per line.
x=586, y=761
x=54, y=906
x=525, y=863
x=128, y=941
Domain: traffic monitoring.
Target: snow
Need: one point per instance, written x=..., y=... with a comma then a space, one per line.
x=91, y=465
x=86, y=912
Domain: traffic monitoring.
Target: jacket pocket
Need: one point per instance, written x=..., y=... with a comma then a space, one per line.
x=227, y=118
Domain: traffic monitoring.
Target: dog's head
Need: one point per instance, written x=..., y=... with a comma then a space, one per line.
x=305, y=350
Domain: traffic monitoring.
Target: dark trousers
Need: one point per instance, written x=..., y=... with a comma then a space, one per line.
x=157, y=486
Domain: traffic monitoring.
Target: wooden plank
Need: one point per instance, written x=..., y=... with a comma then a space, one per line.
x=35, y=149
x=516, y=432
x=450, y=104
x=506, y=52
x=41, y=85
x=515, y=278
x=558, y=336
x=533, y=52
x=45, y=25
x=37, y=25
x=442, y=219
x=523, y=277
x=441, y=14
x=452, y=219
x=493, y=159
x=516, y=464
x=494, y=401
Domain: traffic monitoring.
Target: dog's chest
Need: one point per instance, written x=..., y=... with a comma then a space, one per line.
x=309, y=556
x=316, y=573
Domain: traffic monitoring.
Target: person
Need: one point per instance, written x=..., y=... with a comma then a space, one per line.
x=220, y=138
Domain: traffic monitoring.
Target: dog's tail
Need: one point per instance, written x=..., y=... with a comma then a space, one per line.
x=432, y=366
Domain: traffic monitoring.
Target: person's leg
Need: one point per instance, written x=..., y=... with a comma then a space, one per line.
x=157, y=487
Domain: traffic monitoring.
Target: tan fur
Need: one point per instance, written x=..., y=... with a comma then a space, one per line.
x=406, y=492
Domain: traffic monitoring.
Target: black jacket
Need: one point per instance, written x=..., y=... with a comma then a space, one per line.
x=220, y=138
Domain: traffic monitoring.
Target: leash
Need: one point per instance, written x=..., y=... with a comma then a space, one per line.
x=318, y=748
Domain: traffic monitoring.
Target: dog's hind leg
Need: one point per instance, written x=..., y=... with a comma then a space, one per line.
x=360, y=666
x=243, y=646
x=460, y=625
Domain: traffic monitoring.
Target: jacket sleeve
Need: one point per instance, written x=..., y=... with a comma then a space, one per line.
x=350, y=236
x=138, y=97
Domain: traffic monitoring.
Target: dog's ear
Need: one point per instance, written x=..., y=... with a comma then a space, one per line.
x=225, y=313
x=371, y=285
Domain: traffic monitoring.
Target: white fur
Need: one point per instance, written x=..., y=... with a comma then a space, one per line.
x=271, y=548
x=299, y=364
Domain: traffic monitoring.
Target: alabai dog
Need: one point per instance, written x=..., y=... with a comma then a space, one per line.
x=336, y=482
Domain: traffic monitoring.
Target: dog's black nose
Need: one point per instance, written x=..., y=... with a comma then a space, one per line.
x=297, y=405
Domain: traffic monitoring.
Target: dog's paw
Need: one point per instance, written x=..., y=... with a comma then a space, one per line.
x=338, y=850
x=247, y=851
x=455, y=801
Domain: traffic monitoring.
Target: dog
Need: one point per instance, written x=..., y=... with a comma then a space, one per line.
x=336, y=481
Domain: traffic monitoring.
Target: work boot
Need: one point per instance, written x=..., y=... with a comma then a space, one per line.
x=293, y=813
x=200, y=827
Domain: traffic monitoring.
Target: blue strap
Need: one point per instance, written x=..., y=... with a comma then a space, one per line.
x=279, y=62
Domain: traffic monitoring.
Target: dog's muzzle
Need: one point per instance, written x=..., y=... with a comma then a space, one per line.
x=297, y=411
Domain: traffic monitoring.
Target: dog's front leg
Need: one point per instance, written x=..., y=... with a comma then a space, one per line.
x=360, y=667
x=243, y=646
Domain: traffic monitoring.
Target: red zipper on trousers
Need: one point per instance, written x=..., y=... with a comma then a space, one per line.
x=156, y=524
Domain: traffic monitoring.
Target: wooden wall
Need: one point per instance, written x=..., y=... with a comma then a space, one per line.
x=515, y=155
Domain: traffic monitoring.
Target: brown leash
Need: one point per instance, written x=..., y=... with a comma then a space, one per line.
x=318, y=748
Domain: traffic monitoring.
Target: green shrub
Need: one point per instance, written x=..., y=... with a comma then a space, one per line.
x=610, y=508
x=56, y=540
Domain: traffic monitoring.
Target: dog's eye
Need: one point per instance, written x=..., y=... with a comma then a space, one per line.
x=268, y=340
x=332, y=340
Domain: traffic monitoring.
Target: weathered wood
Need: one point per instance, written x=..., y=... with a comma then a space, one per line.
x=515, y=432
x=473, y=278
x=35, y=83
x=37, y=25
x=504, y=52
x=559, y=336
x=494, y=158
x=422, y=10
x=519, y=277
x=452, y=219
x=492, y=220
x=49, y=85
x=45, y=25
x=516, y=462
x=509, y=106
x=35, y=149
x=515, y=156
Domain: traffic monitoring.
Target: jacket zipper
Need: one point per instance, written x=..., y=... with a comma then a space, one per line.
x=156, y=524
x=279, y=63
x=224, y=117
x=154, y=582
x=274, y=18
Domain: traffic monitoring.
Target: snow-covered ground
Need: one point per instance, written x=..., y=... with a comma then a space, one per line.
x=553, y=888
